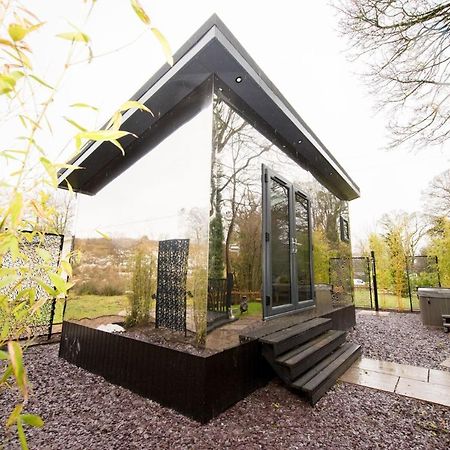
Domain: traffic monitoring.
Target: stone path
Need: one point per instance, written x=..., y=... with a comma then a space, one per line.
x=430, y=385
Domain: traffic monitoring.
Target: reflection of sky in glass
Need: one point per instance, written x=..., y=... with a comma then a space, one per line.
x=156, y=195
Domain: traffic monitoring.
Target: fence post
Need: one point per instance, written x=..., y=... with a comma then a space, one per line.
x=374, y=278
x=438, y=272
x=409, y=284
x=370, y=282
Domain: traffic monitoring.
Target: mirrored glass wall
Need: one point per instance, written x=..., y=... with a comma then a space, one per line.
x=257, y=187
x=164, y=196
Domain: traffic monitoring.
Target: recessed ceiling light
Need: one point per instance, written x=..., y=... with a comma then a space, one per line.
x=299, y=141
x=238, y=80
x=220, y=89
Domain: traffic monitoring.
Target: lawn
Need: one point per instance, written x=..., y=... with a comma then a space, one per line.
x=385, y=300
x=254, y=309
x=90, y=306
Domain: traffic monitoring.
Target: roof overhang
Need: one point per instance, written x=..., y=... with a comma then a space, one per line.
x=211, y=59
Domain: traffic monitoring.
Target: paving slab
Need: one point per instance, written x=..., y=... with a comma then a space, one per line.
x=371, y=379
x=429, y=392
x=439, y=377
x=366, y=312
x=390, y=368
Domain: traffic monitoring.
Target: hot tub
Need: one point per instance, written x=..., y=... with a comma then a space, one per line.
x=433, y=303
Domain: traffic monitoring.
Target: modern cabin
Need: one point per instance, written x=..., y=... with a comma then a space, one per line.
x=236, y=206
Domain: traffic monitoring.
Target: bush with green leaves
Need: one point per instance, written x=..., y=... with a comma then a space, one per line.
x=142, y=289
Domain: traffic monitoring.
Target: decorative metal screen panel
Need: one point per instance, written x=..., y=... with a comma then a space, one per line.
x=31, y=266
x=171, y=290
x=341, y=280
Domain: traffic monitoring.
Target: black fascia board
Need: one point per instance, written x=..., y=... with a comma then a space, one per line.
x=211, y=53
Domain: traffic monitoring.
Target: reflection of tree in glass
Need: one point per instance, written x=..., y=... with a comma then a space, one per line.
x=302, y=237
x=236, y=185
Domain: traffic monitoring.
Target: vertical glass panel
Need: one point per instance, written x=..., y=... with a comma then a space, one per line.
x=280, y=244
x=303, y=249
x=163, y=196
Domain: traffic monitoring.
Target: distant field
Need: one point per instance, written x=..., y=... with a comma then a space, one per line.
x=385, y=300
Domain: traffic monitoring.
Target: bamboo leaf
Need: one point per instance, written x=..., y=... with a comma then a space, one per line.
x=67, y=267
x=75, y=124
x=3, y=335
x=15, y=209
x=15, y=356
x=118, y=145
x=6, y=42
x=164, y=44
x=21, y=434
x=44, y=254
x=58, y=282
x=77, y=36
x=131, y=104
x=3, y=355
x=40, y=81
x=47, y=288
x=6, y=281
x=17, y=32
x=32, y=420
x=139, y=10
x=51, y=170
x=6, y=374
x=103, y=235
x=83, y=105
x=12, y=419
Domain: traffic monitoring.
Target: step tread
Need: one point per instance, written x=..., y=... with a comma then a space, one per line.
x=446, y=316
x=293, y=357
x=314, y=383
x=292, y=331
x=446, y=324
x=322, y=365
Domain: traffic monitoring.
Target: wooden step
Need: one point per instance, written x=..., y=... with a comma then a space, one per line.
x=284, y=340
x=311, y=373
x=447, y=327
x=320, y=382
x=300, y=359
x=446, y=316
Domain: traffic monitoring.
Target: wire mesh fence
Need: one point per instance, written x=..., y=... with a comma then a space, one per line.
x=378, y=284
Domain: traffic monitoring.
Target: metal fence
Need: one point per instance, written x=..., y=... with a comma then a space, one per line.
x=376, y=285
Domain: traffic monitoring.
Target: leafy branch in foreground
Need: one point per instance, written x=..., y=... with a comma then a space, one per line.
x=28, y=185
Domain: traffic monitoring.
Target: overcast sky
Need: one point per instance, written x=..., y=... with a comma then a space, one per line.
x=295, y=43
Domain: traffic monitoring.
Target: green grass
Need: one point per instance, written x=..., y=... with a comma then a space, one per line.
x=90, y=306
x=254, y=309
x=385, y=300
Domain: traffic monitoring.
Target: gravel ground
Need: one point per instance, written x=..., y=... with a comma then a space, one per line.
x=401, y=338
x=83, y=411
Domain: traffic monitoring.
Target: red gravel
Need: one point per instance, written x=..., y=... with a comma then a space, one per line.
x=83, y=411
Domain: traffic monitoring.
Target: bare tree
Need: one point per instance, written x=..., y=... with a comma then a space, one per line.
x=409, y=229
x=437, y=196
x=406, y=44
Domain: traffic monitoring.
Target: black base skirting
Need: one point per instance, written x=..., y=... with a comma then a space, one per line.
x=342, y=318
x=197, y=386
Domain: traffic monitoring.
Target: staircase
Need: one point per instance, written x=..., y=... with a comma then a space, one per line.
x=309, y=357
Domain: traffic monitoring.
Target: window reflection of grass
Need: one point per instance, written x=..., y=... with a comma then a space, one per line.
x=91, y=306
x=254, y=309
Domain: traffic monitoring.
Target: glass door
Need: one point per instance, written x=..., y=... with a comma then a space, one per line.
x=287, y=246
